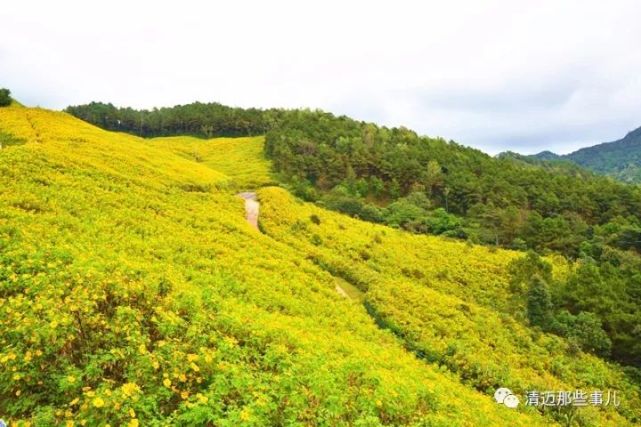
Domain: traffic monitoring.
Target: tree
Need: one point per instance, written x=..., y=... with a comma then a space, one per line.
x=584, y=330
x=433, y=177
x=5, y=97
x=539, y=303
x=522, y=270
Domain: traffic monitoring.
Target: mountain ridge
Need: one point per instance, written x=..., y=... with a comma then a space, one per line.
x=620, y=159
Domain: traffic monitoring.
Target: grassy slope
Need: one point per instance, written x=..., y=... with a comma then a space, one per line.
x=131, y=288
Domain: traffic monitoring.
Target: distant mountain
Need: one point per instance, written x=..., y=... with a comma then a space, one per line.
x=619, y=159
x=547, y=155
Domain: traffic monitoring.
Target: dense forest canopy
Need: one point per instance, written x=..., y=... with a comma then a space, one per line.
x=429, y=185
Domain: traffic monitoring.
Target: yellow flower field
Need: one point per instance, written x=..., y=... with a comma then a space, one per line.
x=133, y=292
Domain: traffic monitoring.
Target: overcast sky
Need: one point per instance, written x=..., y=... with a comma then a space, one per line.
x=496, y=75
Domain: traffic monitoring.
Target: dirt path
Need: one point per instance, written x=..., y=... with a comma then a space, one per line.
x=341, y=291
x=252, y=207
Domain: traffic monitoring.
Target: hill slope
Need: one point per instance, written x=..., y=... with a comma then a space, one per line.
x=133, y=290
x=620, y=159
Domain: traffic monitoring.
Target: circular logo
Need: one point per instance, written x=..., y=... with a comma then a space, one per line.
x=504, y=396
x=501, y=394
x=511, y=401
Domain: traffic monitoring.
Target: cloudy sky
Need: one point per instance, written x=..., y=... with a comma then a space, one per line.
x=493, y=74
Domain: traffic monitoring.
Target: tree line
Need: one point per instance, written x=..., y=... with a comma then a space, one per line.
x=204, y=120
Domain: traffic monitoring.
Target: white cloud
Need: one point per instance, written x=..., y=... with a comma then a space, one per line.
x=493, y=74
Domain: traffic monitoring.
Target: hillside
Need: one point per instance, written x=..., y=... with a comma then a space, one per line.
x=620, y=159
x=132, y=291
x=397, y=177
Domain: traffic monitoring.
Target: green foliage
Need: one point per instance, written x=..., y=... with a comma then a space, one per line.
x=197, y=119
x=505, y=201
x=522, y=270
x=5, y=97
x=620, y=159
x=539, y=303
x=585, y=329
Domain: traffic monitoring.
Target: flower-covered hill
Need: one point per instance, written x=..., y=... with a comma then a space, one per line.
x=452, y=304
x=132, y=291
x=239, y=158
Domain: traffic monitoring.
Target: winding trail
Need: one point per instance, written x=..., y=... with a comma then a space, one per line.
x=252, y=209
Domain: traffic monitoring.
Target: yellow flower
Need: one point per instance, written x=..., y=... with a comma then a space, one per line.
x=130, y=389
x=133, y=423
x=245, y=414
x=98, y=402
x=167, y=382
x=194, y=367
x=184, y=394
